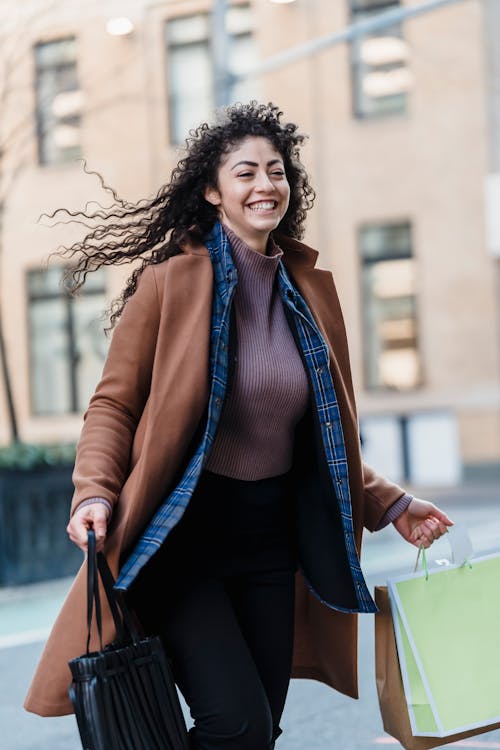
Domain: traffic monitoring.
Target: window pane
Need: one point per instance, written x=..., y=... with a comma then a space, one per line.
x=50, y=54
x=67, y=341
x=188, y=29
x=190, y=67
x=191, y=88
x=50, y=365
x=242, y=56
x=369, y=4
x=380, y=74
x=389, y=309
x=45, y=282
x=239, y=20
x=59, y=101
x=91, y=345
x=386, y=241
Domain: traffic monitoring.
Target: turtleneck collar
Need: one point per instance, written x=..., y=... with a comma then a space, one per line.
x=246, y=258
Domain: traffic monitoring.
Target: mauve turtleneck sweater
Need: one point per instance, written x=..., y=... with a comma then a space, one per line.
x=269, y=392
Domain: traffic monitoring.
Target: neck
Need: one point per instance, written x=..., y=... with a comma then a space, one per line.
x=257, y=243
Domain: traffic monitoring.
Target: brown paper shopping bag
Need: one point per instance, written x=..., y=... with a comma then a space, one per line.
x=390, y=690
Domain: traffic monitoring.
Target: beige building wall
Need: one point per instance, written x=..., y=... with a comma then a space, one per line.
x=427, y=166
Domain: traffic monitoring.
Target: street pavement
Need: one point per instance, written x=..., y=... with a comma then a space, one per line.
x=315, y=716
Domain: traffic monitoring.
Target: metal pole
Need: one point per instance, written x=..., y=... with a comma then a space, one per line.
x=220, y=53
x=4, y=364
x=360, y=28
x=14, y=432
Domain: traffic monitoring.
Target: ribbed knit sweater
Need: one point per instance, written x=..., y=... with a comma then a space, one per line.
x=269, y=392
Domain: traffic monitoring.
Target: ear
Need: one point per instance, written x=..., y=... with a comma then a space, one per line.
x=212, y=195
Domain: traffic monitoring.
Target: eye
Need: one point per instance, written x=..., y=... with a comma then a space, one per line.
x=245, y=174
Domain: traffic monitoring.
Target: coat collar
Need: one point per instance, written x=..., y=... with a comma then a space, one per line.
x=295, y=254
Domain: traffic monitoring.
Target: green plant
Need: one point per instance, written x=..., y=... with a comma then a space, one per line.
x=21, y=455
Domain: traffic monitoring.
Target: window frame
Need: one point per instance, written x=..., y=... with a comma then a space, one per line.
x=356, y=65
x=69, y=302
x=173, y=142
x=58, y=67
x=366, y=349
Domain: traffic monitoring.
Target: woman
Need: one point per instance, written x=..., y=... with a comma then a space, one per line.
x=219, y=462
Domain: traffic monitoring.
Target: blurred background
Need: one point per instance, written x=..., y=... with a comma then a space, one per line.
x=401, y=103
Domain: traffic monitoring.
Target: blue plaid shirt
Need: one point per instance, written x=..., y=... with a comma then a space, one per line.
x=316, y=358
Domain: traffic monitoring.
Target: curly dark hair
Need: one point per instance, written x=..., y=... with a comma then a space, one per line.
x=152, y=229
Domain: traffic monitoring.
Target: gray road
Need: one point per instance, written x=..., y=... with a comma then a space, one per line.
x=315, y=717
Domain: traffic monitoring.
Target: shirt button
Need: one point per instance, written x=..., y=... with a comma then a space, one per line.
x=319, y=370
x=328, y=424
x=218, y=401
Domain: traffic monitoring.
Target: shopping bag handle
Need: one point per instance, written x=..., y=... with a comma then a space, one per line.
x=97, y=564
x=460, y=546
x=421, y=552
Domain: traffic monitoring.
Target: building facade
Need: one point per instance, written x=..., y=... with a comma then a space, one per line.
x=402, y=152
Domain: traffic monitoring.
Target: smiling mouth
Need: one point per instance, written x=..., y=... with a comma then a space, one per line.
x=263, y=206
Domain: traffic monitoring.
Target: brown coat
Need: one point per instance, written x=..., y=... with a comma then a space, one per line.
x=139, y=426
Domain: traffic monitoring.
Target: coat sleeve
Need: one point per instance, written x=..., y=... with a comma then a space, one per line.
x=110, y=422
x=379, y=495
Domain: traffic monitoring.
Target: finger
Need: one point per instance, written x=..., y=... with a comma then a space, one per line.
x=415, y=535
x=442, y=517
x=431, y=529
x=417, y=532
x=77, y=539
x=442, y=528
x=78, y=531
x=100, y=528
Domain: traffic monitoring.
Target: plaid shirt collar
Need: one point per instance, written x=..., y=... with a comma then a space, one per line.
x=316, y=359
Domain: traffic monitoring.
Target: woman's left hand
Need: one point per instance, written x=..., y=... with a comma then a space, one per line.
x=422, y=523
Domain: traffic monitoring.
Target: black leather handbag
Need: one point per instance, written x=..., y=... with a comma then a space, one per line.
x=124, y=695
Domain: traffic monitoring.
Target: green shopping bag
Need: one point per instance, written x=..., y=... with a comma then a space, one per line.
x=447, y=628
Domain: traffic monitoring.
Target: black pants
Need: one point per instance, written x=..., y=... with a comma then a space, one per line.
x=226, y=576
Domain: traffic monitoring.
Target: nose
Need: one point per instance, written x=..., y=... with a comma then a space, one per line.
x=263, y=182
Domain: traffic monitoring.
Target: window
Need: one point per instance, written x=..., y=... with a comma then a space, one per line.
x=380, y=74
x=67, y=342
x=58, y=101
x=389, y=307
x=190, y=72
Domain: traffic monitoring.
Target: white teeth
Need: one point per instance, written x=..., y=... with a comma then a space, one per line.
x=263, y=206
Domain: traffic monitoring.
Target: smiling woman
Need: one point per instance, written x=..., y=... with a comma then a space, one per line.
x=219, y=462
x=252, y=192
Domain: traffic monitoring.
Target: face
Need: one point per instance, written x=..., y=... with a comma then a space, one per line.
x=252, y=192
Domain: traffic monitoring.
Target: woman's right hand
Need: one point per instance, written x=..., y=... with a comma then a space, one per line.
x=93, y=516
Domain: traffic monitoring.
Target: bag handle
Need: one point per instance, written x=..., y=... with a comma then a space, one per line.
x=92, y=589
x=460, y=546
x=124, y=622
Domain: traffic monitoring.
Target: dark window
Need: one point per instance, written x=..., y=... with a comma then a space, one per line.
x=391, y=355
x=379, y=64
x=67, y=342
x=190, y=73
x=58, y=101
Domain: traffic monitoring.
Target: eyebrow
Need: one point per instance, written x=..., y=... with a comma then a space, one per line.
x=254, y=164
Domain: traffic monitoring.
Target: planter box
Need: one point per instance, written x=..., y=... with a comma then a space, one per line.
x=34, y=512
